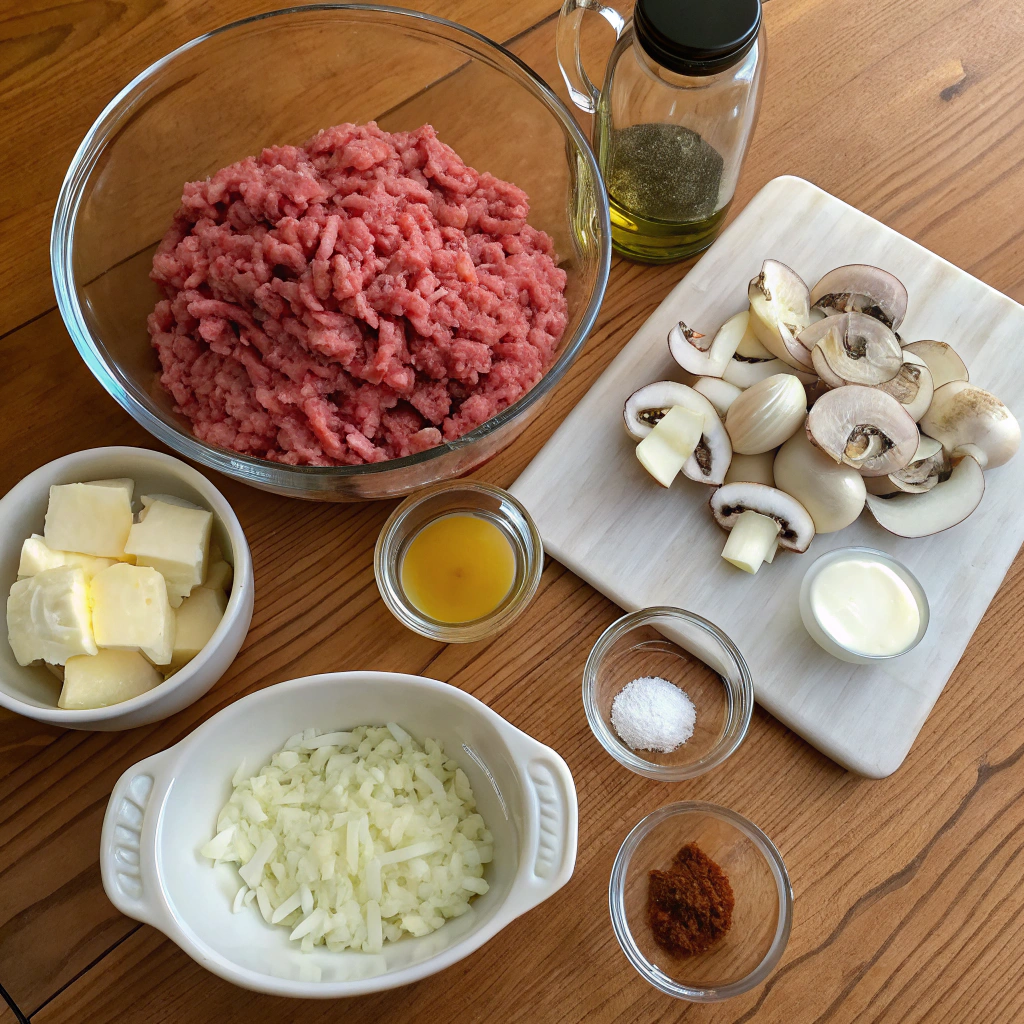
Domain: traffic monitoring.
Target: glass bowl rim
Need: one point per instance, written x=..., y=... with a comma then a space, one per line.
x=741, y=692
x=624, y=935
x=104, y=128
x=914, y=584
x=478, y=629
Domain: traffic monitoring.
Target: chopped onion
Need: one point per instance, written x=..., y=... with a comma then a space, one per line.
x=353, y=839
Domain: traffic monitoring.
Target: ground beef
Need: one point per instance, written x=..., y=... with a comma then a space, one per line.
x=358, y=298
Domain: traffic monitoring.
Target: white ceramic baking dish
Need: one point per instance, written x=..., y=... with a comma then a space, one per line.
x=165, y=808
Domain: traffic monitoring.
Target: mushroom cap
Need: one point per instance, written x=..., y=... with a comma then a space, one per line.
x=720, y=393
x=796, y=527
x=766, y=414
x=964, y=417
x=865, y=428
x=924, y=471
x=749, y=347
x=861, y=288
x=745, y=373
x=941, y=359
x=912, y=386
x=779, y=310
x=831, y=492
x=852, y=348
x=945, y=505
x=711, y=358
x=644, y=408
x=711, y=458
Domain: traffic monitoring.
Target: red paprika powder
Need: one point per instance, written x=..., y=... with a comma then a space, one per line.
x=689, y=907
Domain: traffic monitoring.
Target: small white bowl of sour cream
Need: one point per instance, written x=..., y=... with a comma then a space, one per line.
x=863, y=606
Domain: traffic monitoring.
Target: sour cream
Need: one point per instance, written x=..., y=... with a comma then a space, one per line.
x=861, y=603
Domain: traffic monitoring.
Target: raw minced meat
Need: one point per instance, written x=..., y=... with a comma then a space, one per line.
x=358, y=298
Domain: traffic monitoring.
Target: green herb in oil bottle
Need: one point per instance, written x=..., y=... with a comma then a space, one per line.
x=663, y=185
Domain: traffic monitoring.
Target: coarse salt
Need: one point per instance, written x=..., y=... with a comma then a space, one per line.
x=651, y=713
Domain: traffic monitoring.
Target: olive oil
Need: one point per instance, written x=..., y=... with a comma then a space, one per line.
x=458, y=568
x=663, y=184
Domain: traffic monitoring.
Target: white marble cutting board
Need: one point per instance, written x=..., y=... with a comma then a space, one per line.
x=606, y=520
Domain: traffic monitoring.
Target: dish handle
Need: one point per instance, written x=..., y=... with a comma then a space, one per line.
x=551, y=820
x=127, y=867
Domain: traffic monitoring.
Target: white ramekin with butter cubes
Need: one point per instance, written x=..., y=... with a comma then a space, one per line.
x=130, y=589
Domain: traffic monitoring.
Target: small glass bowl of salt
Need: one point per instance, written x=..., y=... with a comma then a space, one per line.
x=667, y=693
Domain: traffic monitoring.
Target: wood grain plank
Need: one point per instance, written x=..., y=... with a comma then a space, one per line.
x=7, y=1015
x=908, y=891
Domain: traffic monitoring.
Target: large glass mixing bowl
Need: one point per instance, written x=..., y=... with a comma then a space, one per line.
x=279, y=78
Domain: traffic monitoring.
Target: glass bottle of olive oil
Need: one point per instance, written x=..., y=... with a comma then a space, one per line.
x=663, y=184
x=674, y=117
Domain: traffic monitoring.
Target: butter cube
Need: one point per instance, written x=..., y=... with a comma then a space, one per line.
x=36, y=557
x=175, y=541
x=219, y=576
x=130, y=611
x=167, y=499
x=48, y=616
x=107, y=677
x=197, y=618
x=125, y=483
x=92, y=518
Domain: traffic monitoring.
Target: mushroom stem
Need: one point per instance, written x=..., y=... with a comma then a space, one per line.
x=751, y=541
x=673, y=440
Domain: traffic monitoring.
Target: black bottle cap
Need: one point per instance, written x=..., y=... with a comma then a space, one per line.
x=696, y=37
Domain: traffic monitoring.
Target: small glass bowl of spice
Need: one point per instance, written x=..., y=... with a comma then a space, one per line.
x=459, y=561
x=667, y=693
x=700, y=901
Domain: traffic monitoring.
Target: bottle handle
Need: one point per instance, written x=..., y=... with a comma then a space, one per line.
x=582, y=90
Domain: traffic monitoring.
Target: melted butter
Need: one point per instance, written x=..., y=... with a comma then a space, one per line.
x=458, y=568
x=866, y=607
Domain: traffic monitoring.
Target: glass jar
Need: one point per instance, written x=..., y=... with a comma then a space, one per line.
x=674, y=117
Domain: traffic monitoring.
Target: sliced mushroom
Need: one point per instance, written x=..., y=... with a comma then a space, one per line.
x=865, y=428
x=710, y=359
x=928, y=466
x=779, y=309
x=645, y=408
x=752, y=469
x=863, y=289
x=945, y=505
x=941, y=359
x=672, y=441
x=880, y=485
x=749, y=347
x=912, y=386
x=852, y=348
x=720, y=393
x=831, y=492
x=766, y=414
x=758, y=517
x=969, y=420
x=745, y=373
x=711, y=458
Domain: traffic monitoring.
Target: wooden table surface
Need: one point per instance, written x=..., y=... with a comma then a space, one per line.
x=909, y=891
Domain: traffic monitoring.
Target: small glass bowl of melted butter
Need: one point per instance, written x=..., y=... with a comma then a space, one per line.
x=459, y=561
